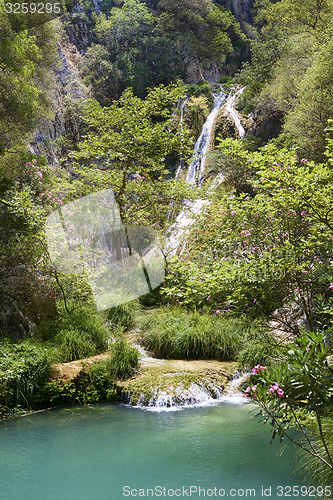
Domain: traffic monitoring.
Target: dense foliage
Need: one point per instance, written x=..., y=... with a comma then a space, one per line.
x=176, y=334
x=141, y=45
x=256, y=271
x=264, y=249
x=289, y=81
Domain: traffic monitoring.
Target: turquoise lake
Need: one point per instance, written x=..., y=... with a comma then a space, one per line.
x=111, y=452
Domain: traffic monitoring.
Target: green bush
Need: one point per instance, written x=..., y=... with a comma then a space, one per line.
x=177, y=334
x=75, y=344
x=261, y=348
x=200, y=88
x=24, y=368
x=89, y=387
x=124, y=315
x=124, y=360
x=82, y=330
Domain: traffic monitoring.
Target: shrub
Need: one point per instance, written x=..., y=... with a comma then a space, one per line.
x=75, y=344
x=89, y=387
x=124, y=360
x=23, y=368
x=82, y=330
x=261, y=348
x=124, y=315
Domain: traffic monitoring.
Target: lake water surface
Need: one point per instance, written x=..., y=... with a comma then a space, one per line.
x=111, y=452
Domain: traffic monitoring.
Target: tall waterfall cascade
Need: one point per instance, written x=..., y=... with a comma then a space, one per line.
x=230, y=109
x=181, y=161
x=196, y=169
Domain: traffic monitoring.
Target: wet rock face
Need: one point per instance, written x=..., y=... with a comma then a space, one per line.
x=267, y=124
x=25, y=299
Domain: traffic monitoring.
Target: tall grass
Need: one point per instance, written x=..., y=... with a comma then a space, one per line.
x=124, y=315
x=124, y=360
x=75, y=344
x=80, y=333
x=177, y=334
x=23, y=369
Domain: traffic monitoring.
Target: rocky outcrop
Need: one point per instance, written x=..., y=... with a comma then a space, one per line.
x=67, y=86
x=266, y=124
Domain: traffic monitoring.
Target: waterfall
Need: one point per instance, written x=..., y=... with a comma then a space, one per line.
x=230, y=108
x=198, y=394
x=197, y=166
x=205, y=390
x=181, y=161
x=196, y=171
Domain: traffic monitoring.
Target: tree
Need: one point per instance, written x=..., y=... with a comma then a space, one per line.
x=130, y=52
x=126, y=149
x=314, y=104
x=24, y=58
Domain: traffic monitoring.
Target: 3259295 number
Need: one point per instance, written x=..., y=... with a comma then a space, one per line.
x=303, y=491
x=33, y=8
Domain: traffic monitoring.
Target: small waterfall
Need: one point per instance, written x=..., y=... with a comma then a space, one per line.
x=198, y=394
x=177, y=398
x=205, y=391
x=232, y=393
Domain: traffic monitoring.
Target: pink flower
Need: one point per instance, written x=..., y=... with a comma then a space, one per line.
x=307, y=349
x=258, y=369
x=39, y=174
x=331, y=286
x=304, y=160
x=254, y=301
x=218, y=311
x=208, y=297
x=276, y=389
